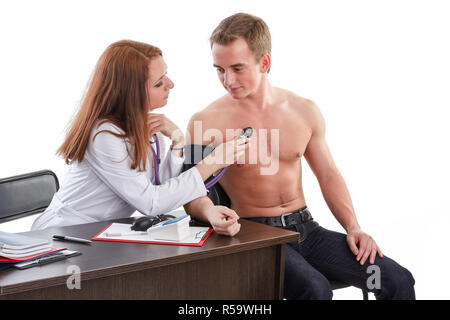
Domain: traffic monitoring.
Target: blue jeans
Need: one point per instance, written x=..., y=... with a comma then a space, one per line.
x=323, y=255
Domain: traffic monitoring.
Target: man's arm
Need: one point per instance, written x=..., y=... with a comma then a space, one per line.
x=334, y=189
x=331, y=182
x=198, y=208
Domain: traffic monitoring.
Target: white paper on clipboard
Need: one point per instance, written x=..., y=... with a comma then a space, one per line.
x=195, y=236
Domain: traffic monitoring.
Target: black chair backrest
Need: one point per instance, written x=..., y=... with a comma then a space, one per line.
x=26, y=194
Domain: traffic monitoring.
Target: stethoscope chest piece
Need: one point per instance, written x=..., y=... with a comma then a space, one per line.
x=247, y=132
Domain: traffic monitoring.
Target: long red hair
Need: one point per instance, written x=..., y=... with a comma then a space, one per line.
x=118, y=94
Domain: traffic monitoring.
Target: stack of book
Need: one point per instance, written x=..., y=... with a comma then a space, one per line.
x=17, y=248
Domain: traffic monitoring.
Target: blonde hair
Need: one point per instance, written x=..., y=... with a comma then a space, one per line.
x=250, y=28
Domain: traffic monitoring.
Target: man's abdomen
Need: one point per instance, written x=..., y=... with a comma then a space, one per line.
x=256, y=195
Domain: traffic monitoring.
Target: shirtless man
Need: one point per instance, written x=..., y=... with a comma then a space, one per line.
x=241, y=47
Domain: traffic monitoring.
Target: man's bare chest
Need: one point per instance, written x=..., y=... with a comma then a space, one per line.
x=283, y=137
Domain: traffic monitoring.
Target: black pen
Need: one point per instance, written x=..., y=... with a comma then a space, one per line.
x=56, y=237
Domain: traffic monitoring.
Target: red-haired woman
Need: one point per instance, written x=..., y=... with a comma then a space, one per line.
x=109, y=146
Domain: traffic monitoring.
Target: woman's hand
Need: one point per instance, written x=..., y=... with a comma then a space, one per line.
x=227, y=153
x=158, y=122
x=224, y=220
x=222, y=156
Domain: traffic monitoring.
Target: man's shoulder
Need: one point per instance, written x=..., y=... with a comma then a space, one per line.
x=211, y=118
x=298, y=103
x=306, y=109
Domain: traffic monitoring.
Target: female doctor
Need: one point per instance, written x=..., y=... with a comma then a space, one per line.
x=113, y=142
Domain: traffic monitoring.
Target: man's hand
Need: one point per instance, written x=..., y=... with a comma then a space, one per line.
x=224, y=220
x=367, y=246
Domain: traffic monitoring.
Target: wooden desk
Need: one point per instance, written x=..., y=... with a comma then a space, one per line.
x=249, y=265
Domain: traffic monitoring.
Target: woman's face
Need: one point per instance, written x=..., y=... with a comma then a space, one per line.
x=158, y=84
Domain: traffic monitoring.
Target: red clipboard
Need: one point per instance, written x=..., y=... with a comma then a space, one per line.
x=199, y=244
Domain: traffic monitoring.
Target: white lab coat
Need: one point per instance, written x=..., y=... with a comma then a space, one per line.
x=104, y=187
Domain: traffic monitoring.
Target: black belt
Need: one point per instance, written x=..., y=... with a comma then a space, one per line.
x=286, y=219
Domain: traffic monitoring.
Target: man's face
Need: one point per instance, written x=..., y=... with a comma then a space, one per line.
x=237, y=68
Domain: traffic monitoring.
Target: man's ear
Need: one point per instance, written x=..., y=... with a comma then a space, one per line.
x=265, y=62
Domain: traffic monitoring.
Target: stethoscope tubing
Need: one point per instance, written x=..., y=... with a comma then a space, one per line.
x=156, y=158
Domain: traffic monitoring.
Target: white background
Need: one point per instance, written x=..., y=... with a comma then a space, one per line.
x=378, y=70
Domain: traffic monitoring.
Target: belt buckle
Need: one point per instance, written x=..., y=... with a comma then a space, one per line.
x=283, y=222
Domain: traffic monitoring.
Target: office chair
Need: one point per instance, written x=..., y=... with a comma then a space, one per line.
x=26, y=194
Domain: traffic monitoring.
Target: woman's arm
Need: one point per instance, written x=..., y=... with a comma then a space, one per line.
x=108, y=157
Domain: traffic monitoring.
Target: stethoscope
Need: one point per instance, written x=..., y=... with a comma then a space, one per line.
x=247, y=132
x=156, y=157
